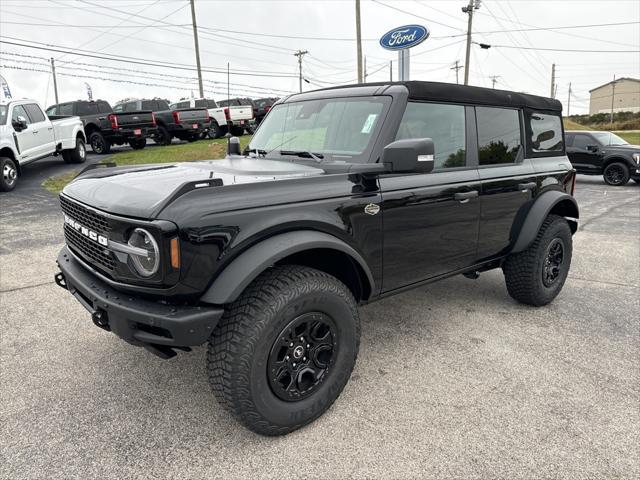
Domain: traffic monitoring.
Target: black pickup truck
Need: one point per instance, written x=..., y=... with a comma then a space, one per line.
x=343, y=197
x=184, y=123
x=105, y=128
x=604, y=153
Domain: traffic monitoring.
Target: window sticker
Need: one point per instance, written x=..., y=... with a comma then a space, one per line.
x=369, y=123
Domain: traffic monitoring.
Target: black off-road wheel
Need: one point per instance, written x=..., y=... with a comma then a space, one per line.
x=536, y=275
x=138, y=143
x=76, y=155
x=285, y=349
x=163, y=137
x=8, y=174
x=99, y=144
x=616, y=174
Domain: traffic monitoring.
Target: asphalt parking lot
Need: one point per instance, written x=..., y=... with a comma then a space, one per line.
x=454, y=380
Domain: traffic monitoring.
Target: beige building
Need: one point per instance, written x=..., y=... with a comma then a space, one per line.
x=626, y=96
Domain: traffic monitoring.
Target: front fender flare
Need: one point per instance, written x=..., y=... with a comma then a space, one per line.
x=228, y=286
x=553, y=201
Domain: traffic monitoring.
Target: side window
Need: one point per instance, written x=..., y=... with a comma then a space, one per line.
x=87, y=108
x=104, y=107
x=444, y=124
x=499, y=139
x=34, y=112
x=182, y=105
x=581, y=141
x=148, y=105
x=568, y=139
x=19, y=111
x=52, y=110
x=545, y=130
x=118, y=108
x=130, y=106
x=201, y=104
x=65, y=109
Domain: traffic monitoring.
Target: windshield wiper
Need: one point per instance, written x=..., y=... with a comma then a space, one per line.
x=303, y=154
x=257, y=151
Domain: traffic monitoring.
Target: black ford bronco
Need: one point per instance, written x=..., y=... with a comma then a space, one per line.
x=344, y=196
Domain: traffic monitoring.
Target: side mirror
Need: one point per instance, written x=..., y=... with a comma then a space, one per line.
x=233, y=148
x=19, y=124
x=592, y=148
x=411, y=155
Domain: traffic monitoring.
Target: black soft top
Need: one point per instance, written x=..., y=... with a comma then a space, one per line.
x=451, y=92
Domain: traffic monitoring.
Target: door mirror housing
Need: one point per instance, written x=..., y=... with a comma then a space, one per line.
x=411, y=155
x=19, y=123
x=592, y=148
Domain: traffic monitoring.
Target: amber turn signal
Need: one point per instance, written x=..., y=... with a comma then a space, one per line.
x=175, y=253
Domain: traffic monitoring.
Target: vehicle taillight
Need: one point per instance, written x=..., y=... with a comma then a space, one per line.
x=207, y=118
x=113, y=119
x=153, y=119
x=227, y=115
x=176, y=117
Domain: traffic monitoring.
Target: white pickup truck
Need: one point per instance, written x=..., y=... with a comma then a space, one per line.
x=28, y=134
x=237, y=118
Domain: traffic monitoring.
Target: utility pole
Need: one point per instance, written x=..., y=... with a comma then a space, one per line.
x=473, y=5
x=613, y=95
x=456, y=68
x=569, y=100
x=494, y=80
x=55, y=81
x=359, y=41
x=195, y=40
x=300, y=54
x=391, y=70
x=553, y=81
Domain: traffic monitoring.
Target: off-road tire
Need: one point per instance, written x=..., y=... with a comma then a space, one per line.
x=138, y=143
x=215, y=131
x=239, y=348
x=523, y=271
x=8, y=174
x=76, y=155
x=616, y=180
x=99, y=144
x=163, y=137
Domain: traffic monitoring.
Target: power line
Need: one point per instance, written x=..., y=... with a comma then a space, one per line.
x=561, y=49
x=413, y=14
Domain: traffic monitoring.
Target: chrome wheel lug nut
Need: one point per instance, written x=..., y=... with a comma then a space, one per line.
x=302, y=339
x=304, y=359
x=307, y=345
x=291, y=344
x=287, y=357
x=294, y=364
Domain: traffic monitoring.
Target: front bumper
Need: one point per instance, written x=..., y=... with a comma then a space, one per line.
x=153, y=325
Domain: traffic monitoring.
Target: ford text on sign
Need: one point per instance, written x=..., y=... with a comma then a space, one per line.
x=404, y=37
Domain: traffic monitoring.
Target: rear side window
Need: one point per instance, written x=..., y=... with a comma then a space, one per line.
x=444, y=124
x=149, y=105
x=499, y=138
x=34, y=112
x=130, y=107
x=104, y=107
x=52, y=110
x=65, y=109
x=545, y=133
x=87, y=108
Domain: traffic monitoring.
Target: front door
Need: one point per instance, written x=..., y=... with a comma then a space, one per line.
x=584, y=153
x=431, y=220
x=42, y=130
x=26, y=140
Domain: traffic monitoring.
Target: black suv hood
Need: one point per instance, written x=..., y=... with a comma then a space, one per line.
x=142, y=191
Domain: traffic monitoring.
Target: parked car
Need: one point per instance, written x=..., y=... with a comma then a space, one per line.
x=105, y=128
x=267, y=254
x=221, y=118
x=604, y=153
x=28, y=134
x=261, y=107
x=184, y=123
x=239, y=112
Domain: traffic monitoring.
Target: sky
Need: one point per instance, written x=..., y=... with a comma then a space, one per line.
x=258, y=39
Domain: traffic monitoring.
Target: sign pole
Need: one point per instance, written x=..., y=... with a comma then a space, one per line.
x=403, y=65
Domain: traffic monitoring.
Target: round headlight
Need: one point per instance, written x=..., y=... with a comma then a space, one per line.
x=145, y=265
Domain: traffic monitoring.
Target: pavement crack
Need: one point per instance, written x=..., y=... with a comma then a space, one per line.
x=617, y=206
x=630, y=285
x=26, y=287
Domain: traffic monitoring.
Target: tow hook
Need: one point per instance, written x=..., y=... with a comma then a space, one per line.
x=101, y=319
x=60, y=280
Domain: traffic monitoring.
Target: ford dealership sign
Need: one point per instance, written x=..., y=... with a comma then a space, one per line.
x=404, y=37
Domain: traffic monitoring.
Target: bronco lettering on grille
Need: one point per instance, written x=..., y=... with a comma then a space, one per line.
x=90, y=234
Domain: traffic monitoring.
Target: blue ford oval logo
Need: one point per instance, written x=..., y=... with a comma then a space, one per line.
x=404, y=37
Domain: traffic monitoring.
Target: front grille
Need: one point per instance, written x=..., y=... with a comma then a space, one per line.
x=86, y=217
x=95, y=253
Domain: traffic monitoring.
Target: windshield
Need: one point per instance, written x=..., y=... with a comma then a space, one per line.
x=342, y=128
x=608, y=138
x=3, y=114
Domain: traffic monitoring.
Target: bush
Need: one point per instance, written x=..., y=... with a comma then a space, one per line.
x=602, y=121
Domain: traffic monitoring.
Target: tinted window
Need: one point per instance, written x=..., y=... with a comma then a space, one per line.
x=118, y=108
x=130, y=107
x=211, y=104
x=499, y=138
x=19, y=111
x=546, y=132
x=580, y=140
x=52, y=110
x=161, y=105
x=85, y=108
x=182, y=104
x=201, y=104
x=34, y=112
x=65, y=109
x=104, y=107
x=149, y=105
x=444, y=124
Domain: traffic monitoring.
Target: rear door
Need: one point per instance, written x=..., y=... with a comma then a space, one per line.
x=508, y=178
x=42, y=129
x=431, y=220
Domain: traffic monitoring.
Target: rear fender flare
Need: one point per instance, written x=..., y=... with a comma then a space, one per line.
x=228, y=286
x=551, y=202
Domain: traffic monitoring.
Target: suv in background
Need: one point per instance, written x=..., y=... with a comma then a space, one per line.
x=267, y=254
x=604, y=153
x=185, y=123
x=105, y=128
x=261, y=107
x=240, y=114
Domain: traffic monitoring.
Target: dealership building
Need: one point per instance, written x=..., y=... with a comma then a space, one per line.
x=624, y=92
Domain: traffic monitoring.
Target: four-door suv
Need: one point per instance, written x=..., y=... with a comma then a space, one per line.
x=105, y=128
x=343, y=197
x=604, y=153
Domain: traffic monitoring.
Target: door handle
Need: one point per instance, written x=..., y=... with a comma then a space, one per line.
x=50, y=128
x=464, y=197
x=527, y=186
x=34, y=131
x=102, y=118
